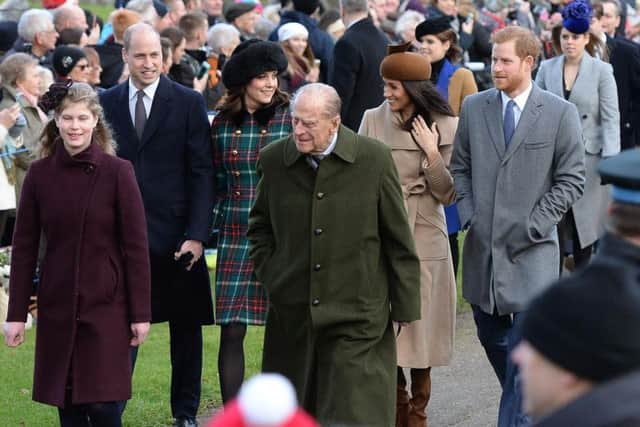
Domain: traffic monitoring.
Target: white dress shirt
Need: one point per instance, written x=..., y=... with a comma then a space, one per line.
x=520, y=101
x=149, y=93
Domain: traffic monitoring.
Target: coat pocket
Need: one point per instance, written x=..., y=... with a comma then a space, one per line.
x=537, y=145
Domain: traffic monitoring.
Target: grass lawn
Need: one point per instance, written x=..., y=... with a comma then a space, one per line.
x=150, y=404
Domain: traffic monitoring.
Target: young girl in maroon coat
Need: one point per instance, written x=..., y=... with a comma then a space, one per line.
x=94, y=291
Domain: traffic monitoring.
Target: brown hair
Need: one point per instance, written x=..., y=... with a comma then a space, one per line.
x=191, y=22
x=426, y=100
x=232, y=102
x=454, y=53
x=174, y=34
x=78, y=92
x=298, y=64
x=623, y=219
x=594, y=47
x=121, y=20
x=526, y=43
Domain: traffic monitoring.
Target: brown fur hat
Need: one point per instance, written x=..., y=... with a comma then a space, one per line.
x=402, y=65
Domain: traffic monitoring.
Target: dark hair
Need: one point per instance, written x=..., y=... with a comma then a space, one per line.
x=191, y=22
x=623, y=219
x=328, y=18
x=426, y=100
x=166, y=46
x=454, y=53
x=174, y=34
x=594, y=47
x=70, y=36
x=232, y=102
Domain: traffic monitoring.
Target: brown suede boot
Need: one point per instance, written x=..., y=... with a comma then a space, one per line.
x=420, y=394
x=402, y=401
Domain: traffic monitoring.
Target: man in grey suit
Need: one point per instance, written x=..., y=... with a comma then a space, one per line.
x=518, y=165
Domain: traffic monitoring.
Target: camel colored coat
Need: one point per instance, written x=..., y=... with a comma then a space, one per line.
x=426, y=188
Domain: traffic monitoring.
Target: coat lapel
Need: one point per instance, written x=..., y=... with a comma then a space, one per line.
x=584, y=79
x=493, y=116
x=127, y=138
x=159, y=110
x=528, y=118
x=556, y=82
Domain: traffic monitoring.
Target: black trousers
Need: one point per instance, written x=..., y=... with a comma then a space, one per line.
x=186, y=369
x=103, y=414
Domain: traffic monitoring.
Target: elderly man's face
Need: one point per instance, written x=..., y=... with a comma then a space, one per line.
x=312, y=129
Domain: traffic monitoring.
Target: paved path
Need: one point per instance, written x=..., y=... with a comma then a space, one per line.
x=465, y=393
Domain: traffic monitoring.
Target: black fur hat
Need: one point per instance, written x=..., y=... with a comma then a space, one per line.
x=250, y=59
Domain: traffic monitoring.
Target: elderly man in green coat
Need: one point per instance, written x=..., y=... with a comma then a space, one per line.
x=330, y=241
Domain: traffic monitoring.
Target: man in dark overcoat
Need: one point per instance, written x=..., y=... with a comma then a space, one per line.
x=356, y=63
x=332, y=246
x=162, y=128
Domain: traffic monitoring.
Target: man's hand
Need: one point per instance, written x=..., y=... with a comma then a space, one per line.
x=139, y=332
x=193, y=246
x=14, y=333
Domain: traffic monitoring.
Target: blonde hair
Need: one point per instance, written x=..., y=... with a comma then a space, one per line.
x=78, y=93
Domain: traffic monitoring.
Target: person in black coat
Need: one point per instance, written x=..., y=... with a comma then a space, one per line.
x=356, y=63
x=162, y=128
x=579, y=356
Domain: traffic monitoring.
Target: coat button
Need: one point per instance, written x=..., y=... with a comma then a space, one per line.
x=238, y=132
x=317, y=231
x=236, y=173
x=263, y=131
x=584, y=117
x=315, y=302
x=234, y=152
x=89, y=169
x=317, y=267
x=627, y=125
x=237, y=193
x=320, y=195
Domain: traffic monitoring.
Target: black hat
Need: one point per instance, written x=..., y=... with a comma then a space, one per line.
x=623, y=171
x=236, y=10
x=251, y=58
x=65, y=58
x=8, y=35
x=433, y=26
x=306, y=6
x=589, y=323
x=161, y=8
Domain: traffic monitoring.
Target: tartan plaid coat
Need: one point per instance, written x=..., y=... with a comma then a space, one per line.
x=237, y=140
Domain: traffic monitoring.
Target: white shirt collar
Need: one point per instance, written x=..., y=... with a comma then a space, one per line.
x=520, y=100
x=149, y=91
x=331, y=146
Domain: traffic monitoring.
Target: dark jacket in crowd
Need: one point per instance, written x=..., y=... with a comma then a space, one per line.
x=624, y=57
x=22, y=47
x=111, y=62
x=613, y=404
x=94, y=278
x=356, y=70
x=320, y=41
x=174, y=168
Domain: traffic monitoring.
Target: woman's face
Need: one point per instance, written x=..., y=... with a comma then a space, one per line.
x=30, y=83
x=94, y=73
x=178, y=52
x=447, y=7
x=573, y=44
x=396, y=96
x=167, y=63
x=76, y=123
x=433, y=49
x=260, y=90
x=81, y=71
x=298, y=44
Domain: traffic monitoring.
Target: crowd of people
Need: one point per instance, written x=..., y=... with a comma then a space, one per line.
x=333, y=154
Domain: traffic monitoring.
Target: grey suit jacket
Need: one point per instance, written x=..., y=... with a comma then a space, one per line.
x=595, y=95
x=513, y=198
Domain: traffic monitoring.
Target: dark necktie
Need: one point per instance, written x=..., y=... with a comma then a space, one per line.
x=140, y=115
x=314, y=160
x=509, y=125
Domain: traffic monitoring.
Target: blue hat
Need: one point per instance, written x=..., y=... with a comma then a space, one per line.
x=623, y=172
x=161, y=8
x=576, y=16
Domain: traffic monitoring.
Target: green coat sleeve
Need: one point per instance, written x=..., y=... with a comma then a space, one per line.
x=260, y=231
x=398, y=247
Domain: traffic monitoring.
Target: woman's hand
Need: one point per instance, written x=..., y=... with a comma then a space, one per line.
x=313, y=75
x=139, y=332
x=427, y=139
x=13, y=333
x=8, y=116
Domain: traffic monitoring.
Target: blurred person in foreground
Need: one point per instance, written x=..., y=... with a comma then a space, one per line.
x=94, y=294
x=339, y=270
x=580, y=353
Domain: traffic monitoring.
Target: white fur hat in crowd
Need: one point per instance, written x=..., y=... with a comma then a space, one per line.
x=292, y=29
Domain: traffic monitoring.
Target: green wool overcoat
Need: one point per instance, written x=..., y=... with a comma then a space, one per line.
x=335, y=253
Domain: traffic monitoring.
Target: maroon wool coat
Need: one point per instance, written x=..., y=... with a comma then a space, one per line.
x=94, y=275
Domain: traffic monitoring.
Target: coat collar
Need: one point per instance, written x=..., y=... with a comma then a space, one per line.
x=262, y=116
x=346, y=147
x=89, y=157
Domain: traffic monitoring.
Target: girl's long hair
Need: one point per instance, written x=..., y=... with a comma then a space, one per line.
x=102, y=136
x=300, y=65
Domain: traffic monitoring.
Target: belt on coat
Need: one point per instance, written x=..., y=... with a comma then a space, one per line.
x=409, y=189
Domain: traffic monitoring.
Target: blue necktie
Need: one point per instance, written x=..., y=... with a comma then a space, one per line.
x=509, y=125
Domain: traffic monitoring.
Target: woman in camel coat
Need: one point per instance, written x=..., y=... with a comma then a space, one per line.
x=419, y=126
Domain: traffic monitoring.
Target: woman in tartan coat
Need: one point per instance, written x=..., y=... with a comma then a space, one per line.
x=253, y=113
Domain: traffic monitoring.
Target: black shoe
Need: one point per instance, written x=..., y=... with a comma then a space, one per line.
x=185, y=422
